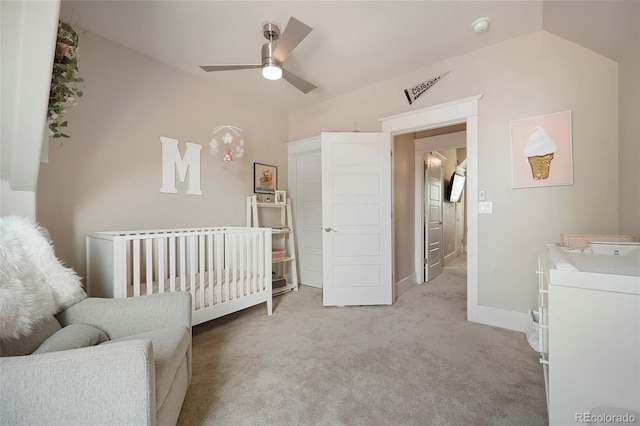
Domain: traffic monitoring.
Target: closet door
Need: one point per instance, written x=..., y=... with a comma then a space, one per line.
x=309, y=221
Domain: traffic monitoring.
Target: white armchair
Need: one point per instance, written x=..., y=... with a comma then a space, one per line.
x=139, y=376
x=97, y=361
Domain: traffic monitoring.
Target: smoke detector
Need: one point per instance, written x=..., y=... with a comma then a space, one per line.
x=481, y=25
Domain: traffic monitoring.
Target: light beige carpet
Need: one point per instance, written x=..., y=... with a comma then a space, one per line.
x=418, y=362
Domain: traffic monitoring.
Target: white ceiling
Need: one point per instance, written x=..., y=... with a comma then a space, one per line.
x=352, y=45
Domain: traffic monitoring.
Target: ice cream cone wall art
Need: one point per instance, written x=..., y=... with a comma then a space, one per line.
x=541, y=150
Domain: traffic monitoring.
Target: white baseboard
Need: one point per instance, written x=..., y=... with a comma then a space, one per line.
x=404, y=284
x=450, y=258
x=511, y=320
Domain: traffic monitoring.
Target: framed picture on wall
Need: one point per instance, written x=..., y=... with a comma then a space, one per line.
x=541, y=151
x=265, y=178
x=281, y=197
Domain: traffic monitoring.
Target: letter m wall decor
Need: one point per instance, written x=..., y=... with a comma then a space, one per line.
x=172, y=161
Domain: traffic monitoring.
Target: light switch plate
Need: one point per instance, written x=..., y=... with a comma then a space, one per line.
x=485, y=207
x=481, y=195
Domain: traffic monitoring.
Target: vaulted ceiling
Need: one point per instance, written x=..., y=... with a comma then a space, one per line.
x=352, y=45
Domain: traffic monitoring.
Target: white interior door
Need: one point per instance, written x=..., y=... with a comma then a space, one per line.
x=309, y=222
x=433, y=217
x=356, y=219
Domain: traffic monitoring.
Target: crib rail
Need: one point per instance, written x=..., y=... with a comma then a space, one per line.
x=214, y=264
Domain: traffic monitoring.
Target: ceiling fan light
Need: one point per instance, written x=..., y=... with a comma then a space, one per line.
x=272, y=72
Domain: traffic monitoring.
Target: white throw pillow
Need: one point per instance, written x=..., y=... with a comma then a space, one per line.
x=33, y=282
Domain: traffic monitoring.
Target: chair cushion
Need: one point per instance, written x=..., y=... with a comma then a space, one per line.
x=170, y=347
x=73, y=336
x=27, y=344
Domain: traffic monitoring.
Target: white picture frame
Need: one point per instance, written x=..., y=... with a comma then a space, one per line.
x=281, y=197
x=553, y=166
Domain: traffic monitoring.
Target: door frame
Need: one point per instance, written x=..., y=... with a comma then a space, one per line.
x=442, y=115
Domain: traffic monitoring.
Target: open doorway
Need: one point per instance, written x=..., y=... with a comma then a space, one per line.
x=427, y=227
x=441, y=205
x=463, y=111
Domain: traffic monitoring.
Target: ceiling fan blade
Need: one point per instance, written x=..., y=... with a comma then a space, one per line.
x=209, y=68
x=301, y=84
x=292, y=35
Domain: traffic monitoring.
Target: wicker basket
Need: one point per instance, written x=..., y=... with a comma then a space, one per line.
x=580, y=241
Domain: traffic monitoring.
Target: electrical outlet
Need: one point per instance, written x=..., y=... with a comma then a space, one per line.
x=485, y=207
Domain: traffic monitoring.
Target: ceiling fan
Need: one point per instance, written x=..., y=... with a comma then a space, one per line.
x=274, y=53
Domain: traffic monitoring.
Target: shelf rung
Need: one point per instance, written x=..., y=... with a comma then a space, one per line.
x=280, y=290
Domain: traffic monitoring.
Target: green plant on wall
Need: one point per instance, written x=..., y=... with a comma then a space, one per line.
x=64, y=91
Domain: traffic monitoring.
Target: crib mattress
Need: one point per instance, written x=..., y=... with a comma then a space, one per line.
x=233, y=286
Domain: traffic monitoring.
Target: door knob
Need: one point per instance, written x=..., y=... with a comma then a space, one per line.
x=329, y=229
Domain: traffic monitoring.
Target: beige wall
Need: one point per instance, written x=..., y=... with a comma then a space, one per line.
x=629, y=90
x=535, y=74
x=617, y=35
x=403, y=207
x=108, y=175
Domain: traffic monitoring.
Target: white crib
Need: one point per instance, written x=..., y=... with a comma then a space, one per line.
x=224, y=269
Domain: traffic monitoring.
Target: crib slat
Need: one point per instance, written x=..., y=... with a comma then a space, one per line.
x=183, y=261
x=219, y=265
x=149, y=264
x=160, y=273
x=121, y=261
x=210, y=266
x=128, y=264
x=265, y=254
x=260, y=271
x=226, y=267
x=240, y=251
x=268, y=285
x=192, y=255
x=201, y=264
x=136, y=267
x=234, y=258
x=257, y=242
x=250, y=265
x=265, y=258
x=245, y=258
x=172, y=264
x=229, y=266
